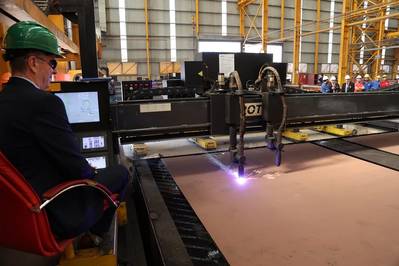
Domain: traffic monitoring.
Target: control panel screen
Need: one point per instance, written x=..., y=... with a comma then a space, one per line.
x=81, y=107
x=96, y=142
x=98, y=162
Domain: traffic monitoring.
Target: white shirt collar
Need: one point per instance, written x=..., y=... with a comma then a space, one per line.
x=34, y=84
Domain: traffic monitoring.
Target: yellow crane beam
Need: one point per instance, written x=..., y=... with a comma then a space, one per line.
x=378, y=53
x=147, y=39
x=242, y=22
x=282, y=16
x=262, y=11
x=265, y=24
x=392, y=35
x=297, y=42
x=197, y=18
x=244, y=3
x=316, y=44
x=344, y=47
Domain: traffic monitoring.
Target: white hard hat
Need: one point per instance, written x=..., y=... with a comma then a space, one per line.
x=378, y=77
x=359, y=77
x=333, y=78
x=347, y=77
x=325, y=78
x=367, y=76
x=397, y=76
x=384, y=76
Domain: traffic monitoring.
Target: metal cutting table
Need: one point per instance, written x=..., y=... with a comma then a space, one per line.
x=321, y=207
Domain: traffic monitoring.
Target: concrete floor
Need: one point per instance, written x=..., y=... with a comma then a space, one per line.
x=318, y=208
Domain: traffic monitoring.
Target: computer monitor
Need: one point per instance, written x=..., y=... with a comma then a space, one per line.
x=81, y=107
x=93, y=143
x=98, y=162
x=86, y=104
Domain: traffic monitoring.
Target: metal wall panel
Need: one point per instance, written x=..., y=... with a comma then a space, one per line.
x=210, y=28
x=112, y=3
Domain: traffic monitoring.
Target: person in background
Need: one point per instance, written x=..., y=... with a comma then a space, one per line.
x=367, y=83
x=384, y=83
x=320, y=79
x=334, y=84
x=359, y=86
x=375, y=84
x=348, y=86
x=397, y=79
x=325, y=86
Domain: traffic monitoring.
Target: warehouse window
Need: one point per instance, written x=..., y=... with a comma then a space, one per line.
x=386, y=68
x=224, y=18
x=387, y=12
x=303, y=68
x=363, y=38
x=122, y=29
x=383, y=55
x=276, y=50
x=172, y=22
x=221, y=47
x=331, y=32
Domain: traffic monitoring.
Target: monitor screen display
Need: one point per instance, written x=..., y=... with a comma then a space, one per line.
x=97, y=142
x=98, y=162
x=81, y=107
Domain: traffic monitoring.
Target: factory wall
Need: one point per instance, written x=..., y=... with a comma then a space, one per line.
x=210, y=29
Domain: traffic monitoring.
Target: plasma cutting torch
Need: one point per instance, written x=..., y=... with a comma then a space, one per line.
x=268, y=81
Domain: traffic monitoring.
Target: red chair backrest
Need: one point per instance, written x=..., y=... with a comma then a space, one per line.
x=22, y=226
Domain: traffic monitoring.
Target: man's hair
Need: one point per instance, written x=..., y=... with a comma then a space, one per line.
x=18, y=58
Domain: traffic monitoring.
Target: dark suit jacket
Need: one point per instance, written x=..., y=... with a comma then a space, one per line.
x=36, y=137
x=351, y=87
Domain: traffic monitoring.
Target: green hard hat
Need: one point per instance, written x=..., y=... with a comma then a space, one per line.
x=31, y=35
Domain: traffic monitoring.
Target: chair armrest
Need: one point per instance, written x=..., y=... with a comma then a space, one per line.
x=56, y=191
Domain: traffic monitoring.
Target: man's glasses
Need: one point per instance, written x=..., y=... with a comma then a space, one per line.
x=52, y=63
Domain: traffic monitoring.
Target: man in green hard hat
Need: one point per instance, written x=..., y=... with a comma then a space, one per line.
x=35, y=135
x=32, y=50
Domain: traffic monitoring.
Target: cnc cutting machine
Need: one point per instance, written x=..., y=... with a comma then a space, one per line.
x=267, y=106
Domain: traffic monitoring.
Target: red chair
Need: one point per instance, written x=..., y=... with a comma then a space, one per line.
x=23, y=223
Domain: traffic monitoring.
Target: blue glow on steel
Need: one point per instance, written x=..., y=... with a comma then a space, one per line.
x=241, y=180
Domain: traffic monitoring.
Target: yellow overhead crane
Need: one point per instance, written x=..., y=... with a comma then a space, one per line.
x=362, y=24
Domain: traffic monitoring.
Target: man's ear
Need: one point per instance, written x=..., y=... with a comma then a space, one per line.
x=32, y=64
